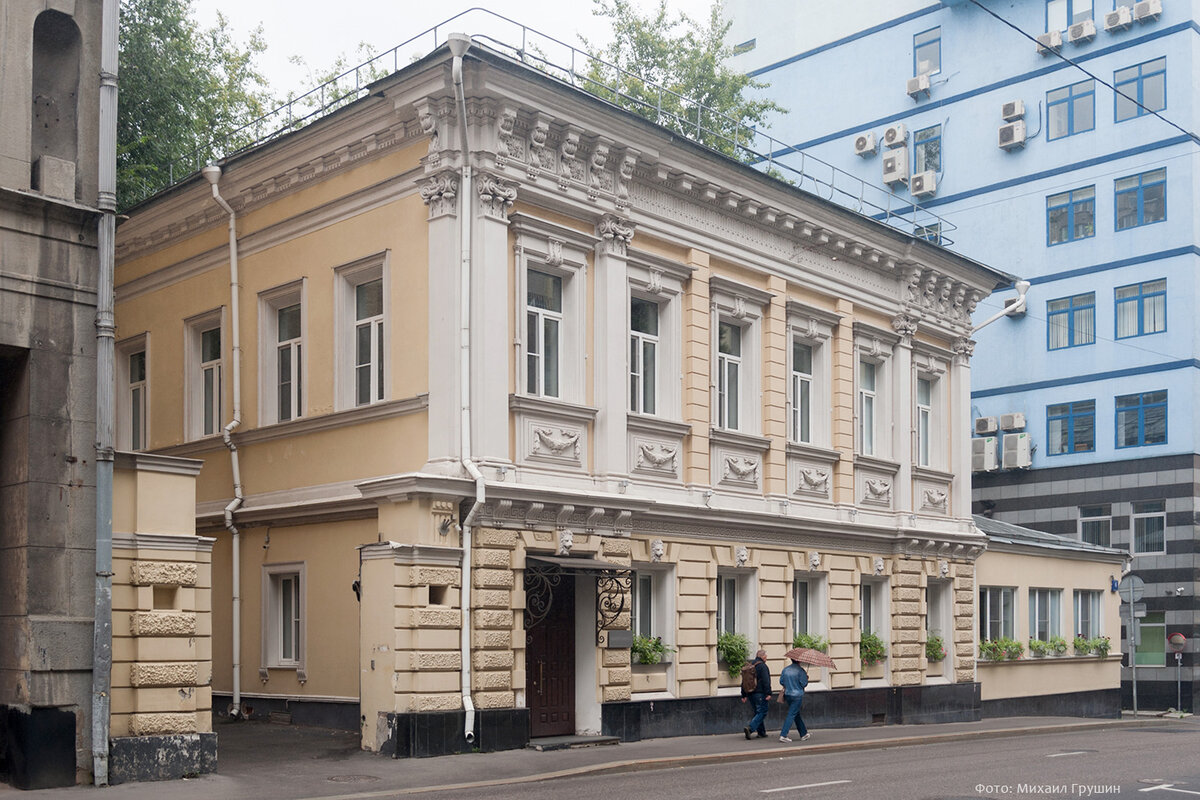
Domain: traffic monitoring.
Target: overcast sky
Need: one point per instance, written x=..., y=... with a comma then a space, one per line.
x=320, y=31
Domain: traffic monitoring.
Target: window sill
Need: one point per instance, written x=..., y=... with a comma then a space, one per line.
x=815, y=452
x=739, y=439
x=931, y=474
x=648, y=423
x=877, y=463
x=553, y=406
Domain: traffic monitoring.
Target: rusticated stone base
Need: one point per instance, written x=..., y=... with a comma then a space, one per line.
x=161, y=758
x=441, y=733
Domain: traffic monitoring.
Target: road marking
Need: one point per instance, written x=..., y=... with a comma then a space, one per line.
x=805, y=786
x=1072, y=753
x=1167, y=787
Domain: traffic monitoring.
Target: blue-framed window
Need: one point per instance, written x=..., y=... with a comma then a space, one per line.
x=1071, y=321
x=1070, y=110
x=1141, y=308
x=1141, y=199
x=927, y=52
x=1071, y=427
x=1061, y=13
x=1071, y=215
x=1141, y=89
x=1142, y=419
x=927, y=149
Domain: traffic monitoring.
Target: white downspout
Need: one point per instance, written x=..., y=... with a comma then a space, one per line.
x=212, y=174
x=459, y=44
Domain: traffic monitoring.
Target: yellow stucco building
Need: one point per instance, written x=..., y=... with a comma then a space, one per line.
x=450, y=468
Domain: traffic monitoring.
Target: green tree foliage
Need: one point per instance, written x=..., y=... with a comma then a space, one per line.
x=701, y=98
x=185, y=94
x=341, y=83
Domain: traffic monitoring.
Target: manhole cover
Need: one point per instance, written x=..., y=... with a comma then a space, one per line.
x=352, y=778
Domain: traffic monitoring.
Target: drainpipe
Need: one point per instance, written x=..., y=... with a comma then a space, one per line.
x=459, y=44
x=105, y=388
x=1015, y=309
x=212, y=174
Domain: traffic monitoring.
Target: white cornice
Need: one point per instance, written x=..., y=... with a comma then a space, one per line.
x=154, y=462
x=162, y=541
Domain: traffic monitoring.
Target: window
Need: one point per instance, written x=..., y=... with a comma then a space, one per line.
x=867, y=373
x=1141, y=199
x=653, y=611
x=362, y=331
x=283, y=615
x=802, y=392
x=1071, y=427
x=281, y=352
x=736, y=604
x=729, y=363
x=368, y=342
x=1151, y=651
x=1142, y=419
x=1149, y=527
x=643, y=604
x=204, y=372
x=927, y=149
x=1141, y=308
x=1071, y=321
x=808, y=604
x=1087, y=613
x=866, y=596
x=643, y=355
x=131, y=397
x=1045, y=610
x=1140, y=89
x=997, y=610
x=1095, y=524
x=1071, y=216
x=1071, y=110
x=1061, y=13
x=924, y=419
x=727, y=605
x=927, y=52
x=938, y=617
x=543, y=320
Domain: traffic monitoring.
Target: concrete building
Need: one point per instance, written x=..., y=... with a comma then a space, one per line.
x=644, y=388
x=1053, y=135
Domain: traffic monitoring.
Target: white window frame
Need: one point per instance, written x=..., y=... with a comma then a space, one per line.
x=126, y=436
x=639, y=343
x=270, y=303
x=1096, y=518
x=939, y=611
x=729, y=370
x=1135, y=515
x=812, y=327
x=347, y=278
x=661, y=281
x=1046, y=599
x=1008, y=626
x=745, y=613
x=867, y=406
x=743, y=307
x=933, y=453
x=816, y=620
x=655, y=618
x=874, y=346
x=1094, y=600
x=194, y=375
x=874, y=597
x=272, y=656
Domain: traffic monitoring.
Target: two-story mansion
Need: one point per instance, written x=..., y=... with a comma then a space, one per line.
x=647, y=388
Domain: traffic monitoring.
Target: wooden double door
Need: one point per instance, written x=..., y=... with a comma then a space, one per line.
x=550, y=652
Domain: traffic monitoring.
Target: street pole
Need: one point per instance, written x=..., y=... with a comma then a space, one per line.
x=1133, y=627
x=1179, y=682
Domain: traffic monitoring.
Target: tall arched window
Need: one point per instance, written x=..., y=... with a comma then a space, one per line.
x=54, y=134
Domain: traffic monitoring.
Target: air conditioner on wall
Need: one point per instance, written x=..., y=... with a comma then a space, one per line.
x=1013, y=109
x=1012, y=422
x=1016, y=451
x=986, y=425
x=917, y=86
x=895, y=136
x=1012, y=135
x=864, y=144
x=1119, y=19
x=895, y=166
x=923, y=184
x=1048, y=42
x=1081, y=32
x=1147, y=10
x=983, y=454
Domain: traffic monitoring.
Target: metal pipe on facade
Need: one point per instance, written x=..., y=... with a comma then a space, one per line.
x=105, y=389
x=459, y=44
x=212, y=174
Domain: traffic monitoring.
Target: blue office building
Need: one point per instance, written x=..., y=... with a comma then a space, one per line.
x=1055, y=140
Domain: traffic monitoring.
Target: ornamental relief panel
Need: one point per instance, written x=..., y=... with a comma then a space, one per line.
x=931, y=497
x=737, y=469
x=655, y=456
x=808, y=478
x=553, y=442
x=875, y=489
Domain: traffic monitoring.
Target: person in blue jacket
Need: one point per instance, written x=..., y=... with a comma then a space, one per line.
x=793, y=679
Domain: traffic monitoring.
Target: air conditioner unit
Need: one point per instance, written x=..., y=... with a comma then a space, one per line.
x=1012, y=135
x=1050, y=41
x=895, y=136
x=1147, y=10
x=1081, y=32
x=895, y=166
x=1013, y=109
x=983, y=454
x=864, y=144
x=1016, y=451
x=1119, y=19
x=918, y=86
x=923, y=184
x=1012, y=422
x=986, y=425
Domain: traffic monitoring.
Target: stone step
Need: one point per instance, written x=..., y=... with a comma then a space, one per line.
x=569, y=742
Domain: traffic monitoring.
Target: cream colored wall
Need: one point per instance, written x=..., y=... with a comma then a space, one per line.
x=1034, y=676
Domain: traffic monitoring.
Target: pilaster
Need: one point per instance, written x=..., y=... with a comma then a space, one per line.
x=440, y=193
x=960, y=424
x=902, y=406
x=697, y=370
x=611, y=338
x=842, y=437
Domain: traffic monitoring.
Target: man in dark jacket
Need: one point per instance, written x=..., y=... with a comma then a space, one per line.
x=760, y=698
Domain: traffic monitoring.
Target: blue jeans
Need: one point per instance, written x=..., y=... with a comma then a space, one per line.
x=761, y=703
x=793, y=714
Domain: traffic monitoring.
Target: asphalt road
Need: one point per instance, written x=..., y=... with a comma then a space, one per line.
x=1159, y=763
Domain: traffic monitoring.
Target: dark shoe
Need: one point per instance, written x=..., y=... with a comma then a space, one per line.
x=762, y=736
x=746, y=730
